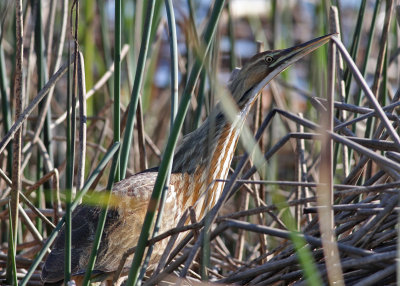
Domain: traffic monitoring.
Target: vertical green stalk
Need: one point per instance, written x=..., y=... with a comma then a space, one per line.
x=355, y=44
x=144, y=47
x=12, y=249
x=6, y=115
x=156, y=21
x=174, y=110
x=364, y=66
x=5, y=104
x=38, y=48
x=317, y=79
x=117, y=79
x=191, y=41
x=89, y=51
x=383, y=95
x=148, y=81
x=172, y=140
x=102, y=220
x=13, y=56
x=42, y=79
x=213, y=64
x=174, y=59
x=71, y=123
x=42, y=73
x=69, y=179
x=135, y=32
x=384, y=39
x=368, y=49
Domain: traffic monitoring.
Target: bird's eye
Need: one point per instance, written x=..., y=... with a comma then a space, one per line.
x=269, y=59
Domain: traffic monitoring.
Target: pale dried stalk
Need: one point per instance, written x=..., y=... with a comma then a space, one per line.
x=325, y=193
x=82, y=122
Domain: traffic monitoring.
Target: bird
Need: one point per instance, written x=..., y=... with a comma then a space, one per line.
x=202, y=157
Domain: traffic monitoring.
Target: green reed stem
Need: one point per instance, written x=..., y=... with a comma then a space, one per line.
x=174, y=110
x=89, y=52
x=12, y=250
x=174, y=59
x=144, y=47
x=368, y=50
x=117, y=79
x=383, y=98
x=69, y=176
x=172, y=140
x=5, y=104
x=42, y=79
x=71, y=126
x=355, y=44
x=365, y=62
x=115, y=171
x=102, y=220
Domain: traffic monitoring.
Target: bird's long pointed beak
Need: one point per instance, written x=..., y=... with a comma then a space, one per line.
x=293, y=54
x=289, y=56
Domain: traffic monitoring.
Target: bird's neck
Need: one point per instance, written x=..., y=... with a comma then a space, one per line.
x=205, y=156
x=206, y=147
x=199, y=148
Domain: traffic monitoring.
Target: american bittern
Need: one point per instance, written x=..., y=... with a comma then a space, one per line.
x=197, y=163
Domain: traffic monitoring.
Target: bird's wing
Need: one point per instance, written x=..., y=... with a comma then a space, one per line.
x=84, y=222
x=132, y=193
x=138, y=186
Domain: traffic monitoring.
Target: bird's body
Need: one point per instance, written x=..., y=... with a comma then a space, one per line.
x=192, y=183
x=202, y=157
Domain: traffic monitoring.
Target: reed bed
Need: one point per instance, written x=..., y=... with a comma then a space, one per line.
x=89, y=97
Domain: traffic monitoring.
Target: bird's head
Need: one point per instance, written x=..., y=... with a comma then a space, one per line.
x=246, y=83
